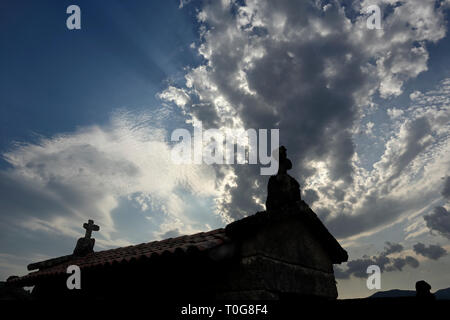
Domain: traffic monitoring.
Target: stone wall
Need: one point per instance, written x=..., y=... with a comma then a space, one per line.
x=280, y=260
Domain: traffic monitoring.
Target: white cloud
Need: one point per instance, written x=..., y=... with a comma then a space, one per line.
x=69, y=178
x=178, y=96
x=183, y=3
x=312, y=71
x=299, y=66
x=406, y=182
x=369, y=128
x=394, y=113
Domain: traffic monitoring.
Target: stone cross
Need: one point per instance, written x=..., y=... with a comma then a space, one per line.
x=282, y=189
x=90, y=226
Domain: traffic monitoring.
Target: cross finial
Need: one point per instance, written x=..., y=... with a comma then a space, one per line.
x=90, y=226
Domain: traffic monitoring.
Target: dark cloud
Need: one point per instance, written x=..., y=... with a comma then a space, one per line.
x=392, y=248
x=413, y=144
x=303, y=86
x=397, y=264
x=446, y=190
x=387, y=210
x=20, y=197
x=171, y=234
x=413, y=262
x=439, y=221
x=305, y=68
x=358, y=267
x=433, y=251
x=251, y=184
x=339, y=194
x=310, y=196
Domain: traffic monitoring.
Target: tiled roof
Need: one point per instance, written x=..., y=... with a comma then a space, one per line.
x=186, y=245
x=183, y=245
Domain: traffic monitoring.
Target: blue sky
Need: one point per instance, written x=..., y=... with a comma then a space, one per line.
x=86, y=115
x=125, y=53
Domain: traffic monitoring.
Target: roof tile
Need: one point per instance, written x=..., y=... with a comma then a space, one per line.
x=180, y=245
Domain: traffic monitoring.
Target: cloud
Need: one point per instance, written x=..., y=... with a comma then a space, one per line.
x=398, y=59
x=175, y=95
x=61, y=181
x=183, y=3
x=392, y=248
x=414, y=137
x=310, y=196
x=171, y=234
x=405, y=181
x=432, y=251
x=312, y=71
x=439, y=221
x=358, y=267
x=308, y=69
x=369, y=128
x=394, y=113
x=399, y=263
x=446, y=190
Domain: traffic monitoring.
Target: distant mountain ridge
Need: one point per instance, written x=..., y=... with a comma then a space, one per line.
x=442, y=294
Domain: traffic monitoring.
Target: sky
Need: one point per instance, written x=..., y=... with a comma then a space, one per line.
x=86, y=118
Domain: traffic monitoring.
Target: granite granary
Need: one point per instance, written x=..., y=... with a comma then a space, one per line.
x=282, y=253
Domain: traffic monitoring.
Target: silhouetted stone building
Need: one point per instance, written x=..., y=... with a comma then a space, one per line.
x=264, y=256
x=285, y=252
